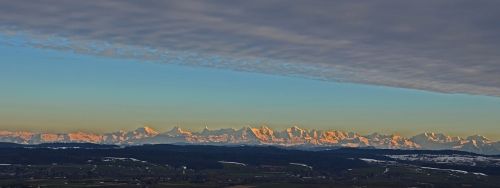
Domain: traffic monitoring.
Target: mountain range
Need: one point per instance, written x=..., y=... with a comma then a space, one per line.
x=293, y=136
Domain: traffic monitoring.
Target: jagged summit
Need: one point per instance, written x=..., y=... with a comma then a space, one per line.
x=178, y=131
x=147, y=130
x=264, y=135
x=478, y=138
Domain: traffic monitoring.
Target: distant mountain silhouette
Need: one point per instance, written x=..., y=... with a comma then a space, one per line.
x=289, y=137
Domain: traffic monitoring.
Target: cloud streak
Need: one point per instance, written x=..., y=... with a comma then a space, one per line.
x=446, y=46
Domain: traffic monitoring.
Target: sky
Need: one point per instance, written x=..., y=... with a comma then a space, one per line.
x=363, y=66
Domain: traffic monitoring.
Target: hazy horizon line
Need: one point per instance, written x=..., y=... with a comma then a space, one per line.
x=164, y=131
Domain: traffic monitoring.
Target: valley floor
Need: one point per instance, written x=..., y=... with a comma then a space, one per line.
x=236, y=167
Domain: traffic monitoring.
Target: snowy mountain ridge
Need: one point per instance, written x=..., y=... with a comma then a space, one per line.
x=293, y=136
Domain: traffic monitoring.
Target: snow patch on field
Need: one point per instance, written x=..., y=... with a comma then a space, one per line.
x=479, y=174
x=235, y=163
x=301, y=164
x=455, y=171
x=445, y=169
x=468, y=160
x=376, y=161
x=110, y=159
x=371, y=160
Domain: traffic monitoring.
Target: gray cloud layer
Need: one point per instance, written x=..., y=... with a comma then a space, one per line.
x=446, y=46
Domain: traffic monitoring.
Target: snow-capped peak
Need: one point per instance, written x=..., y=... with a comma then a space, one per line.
x=147, y=131
x=296, y=128
x=478, y=140
x=264, y=135
x=178, y=131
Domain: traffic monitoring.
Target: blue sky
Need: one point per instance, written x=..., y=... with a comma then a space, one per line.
x=59, y=91
x=447, y=46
